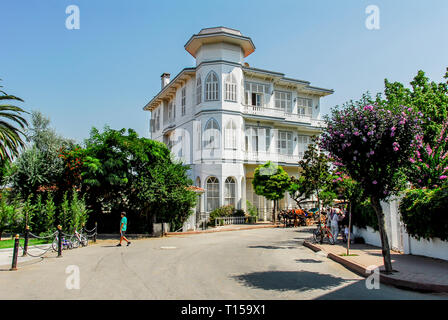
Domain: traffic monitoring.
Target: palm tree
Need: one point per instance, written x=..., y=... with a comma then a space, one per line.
x=10, y=136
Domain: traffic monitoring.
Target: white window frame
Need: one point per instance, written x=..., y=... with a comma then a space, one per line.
x=285, y=143
x=230, y=135
x=183, y=100
x=258, y=90
x=283, y=100
x=212, y=87
x=198, y=90
x=230, y=192
x=230, y=88
x=304, y=106
x=252, y=133
x=212, y=193
x=212, y=134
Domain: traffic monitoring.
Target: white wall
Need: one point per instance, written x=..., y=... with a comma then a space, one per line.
x=399, y=239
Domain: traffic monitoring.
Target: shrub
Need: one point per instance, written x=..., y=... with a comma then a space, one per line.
x=10, y=217
x=424, y=213
x=363, y=215
x=251, y=209
x=224, y=211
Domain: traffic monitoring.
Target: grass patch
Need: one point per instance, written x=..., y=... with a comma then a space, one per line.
x=349, y=255
x=4, y=244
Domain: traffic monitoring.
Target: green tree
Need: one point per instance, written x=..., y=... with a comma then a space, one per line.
x=10, y=217
x=299, y=190
x=136, y=175
x=39, y=168
x=50, y=212
x=374, y=144
x=163, y=191
x=428, y=97
x=314, y=169
x=271, y=181
x=64, y=213
x=12, y=125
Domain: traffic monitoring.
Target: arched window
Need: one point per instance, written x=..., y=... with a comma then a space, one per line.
x=230, y=192
x=211, y=135
x=230, y=135
x=198, y=90
x=212, y=186
x=211, y=87
x=230, y=88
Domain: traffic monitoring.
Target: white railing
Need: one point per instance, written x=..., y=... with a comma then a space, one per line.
x=277, y=113
x=273, y=157
x=233, y=220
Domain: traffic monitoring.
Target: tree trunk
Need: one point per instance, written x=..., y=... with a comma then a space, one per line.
x=349, y=227
x=382, y=229
x=273, y=213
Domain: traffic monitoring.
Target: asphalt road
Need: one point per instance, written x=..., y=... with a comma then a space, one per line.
x=250, y=264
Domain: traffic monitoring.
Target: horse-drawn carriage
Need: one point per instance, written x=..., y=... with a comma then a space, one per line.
x=296, y=217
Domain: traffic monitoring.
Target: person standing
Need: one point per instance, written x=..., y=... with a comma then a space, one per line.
x=123, y=227
x=335, y=225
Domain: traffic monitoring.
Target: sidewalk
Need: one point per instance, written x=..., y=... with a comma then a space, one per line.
x=6, y=255
x=231, y=227
x=414, y=272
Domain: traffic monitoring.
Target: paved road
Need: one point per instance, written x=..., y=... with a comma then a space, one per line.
x=251, y=264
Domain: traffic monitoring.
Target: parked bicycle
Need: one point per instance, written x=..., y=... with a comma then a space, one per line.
x=73, y=242
x=79, y=239
x=323, y=232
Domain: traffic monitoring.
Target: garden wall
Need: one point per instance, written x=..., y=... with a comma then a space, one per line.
x=399, y=239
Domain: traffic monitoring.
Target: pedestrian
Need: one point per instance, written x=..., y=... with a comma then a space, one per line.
x=123, y=227
x=335, y=225
x=345, y=233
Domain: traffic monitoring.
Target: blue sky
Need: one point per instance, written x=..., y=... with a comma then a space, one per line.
x=106, y=71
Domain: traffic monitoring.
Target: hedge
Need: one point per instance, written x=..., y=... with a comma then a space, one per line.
x=425, y=213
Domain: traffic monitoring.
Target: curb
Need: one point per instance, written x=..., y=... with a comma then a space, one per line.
x=221, y=230
x=364, y=272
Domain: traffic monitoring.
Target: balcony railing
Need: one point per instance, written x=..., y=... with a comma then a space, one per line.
x=277, y=113
x=273, y=157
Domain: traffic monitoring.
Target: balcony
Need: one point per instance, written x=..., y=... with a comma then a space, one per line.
x=263, y=157
x=278, y=113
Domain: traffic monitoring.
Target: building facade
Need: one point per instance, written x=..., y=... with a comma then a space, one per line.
x=224, y=118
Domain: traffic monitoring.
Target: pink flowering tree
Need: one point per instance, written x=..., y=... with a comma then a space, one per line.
x=430, y=163
x=374, y=145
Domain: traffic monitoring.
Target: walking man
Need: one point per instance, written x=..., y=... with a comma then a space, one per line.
x=123, y=225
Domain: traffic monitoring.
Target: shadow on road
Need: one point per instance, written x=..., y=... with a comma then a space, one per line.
x=289, y=280
x=272, y=247
x=308, y=261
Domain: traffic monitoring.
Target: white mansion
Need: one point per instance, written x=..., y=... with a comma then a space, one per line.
x=224, y=118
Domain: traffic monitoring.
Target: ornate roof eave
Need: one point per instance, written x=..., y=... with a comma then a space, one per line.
x=170, y=89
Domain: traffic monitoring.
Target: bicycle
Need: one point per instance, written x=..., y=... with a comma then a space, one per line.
x=323, y=232
x=78, y=239
x=66, y=244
